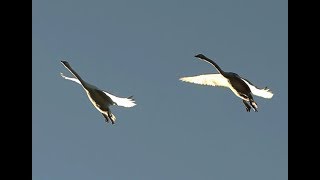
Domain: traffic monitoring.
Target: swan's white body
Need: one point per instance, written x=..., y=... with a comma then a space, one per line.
x=238, y=85
x=101, y=100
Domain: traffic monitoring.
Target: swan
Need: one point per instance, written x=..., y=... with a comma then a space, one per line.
x=241, y=87
x=100, y=99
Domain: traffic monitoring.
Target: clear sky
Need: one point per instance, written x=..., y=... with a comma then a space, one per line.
x=177, y=130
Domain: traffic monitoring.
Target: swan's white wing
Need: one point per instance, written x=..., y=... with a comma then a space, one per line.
x=77, y=81
x=71, y=79
x=207, y=79
x=262, y=92
x=125, y=102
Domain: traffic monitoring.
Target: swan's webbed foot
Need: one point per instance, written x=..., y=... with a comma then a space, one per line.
x=106, y=118
x=254, y=106
x=248, y=108
x=110, y=115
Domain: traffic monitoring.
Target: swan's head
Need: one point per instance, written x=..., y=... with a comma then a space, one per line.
x=201, y=56
x=65, y=63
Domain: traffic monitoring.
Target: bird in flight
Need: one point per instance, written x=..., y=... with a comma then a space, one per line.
x=100, y=99
x=239, y=86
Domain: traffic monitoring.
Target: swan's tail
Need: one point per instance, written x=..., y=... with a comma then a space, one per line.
x=262, y=92
x=124, y=102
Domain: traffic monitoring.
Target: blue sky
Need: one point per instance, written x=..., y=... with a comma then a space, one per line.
x=177, y=130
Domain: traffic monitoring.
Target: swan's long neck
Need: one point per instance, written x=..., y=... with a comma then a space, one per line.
x=66, y=64
x=214, y=65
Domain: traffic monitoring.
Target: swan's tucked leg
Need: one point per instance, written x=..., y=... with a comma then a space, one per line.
x=111, y=117
x=105, y=117
x=247, y=105
x=254, y=105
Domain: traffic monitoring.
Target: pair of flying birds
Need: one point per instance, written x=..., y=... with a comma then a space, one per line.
x=241, y=87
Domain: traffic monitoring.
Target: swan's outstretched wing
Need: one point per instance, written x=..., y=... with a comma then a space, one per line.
x=207, y=79
x=71, y=79
x=262, y=92
x=124, y=102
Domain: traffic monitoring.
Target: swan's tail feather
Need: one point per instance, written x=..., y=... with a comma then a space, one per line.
x=124, y=102
x=263, y=92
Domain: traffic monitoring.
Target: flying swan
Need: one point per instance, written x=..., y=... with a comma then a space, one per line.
x=240, y=87
x=100, y=99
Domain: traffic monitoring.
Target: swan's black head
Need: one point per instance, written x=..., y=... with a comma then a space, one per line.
x=65, y=62
x=201, y=56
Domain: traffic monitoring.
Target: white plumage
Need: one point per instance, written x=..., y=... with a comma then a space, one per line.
x=208, y=79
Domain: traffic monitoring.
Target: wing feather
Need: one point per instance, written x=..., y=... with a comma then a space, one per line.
x=208, y=79
x=70, y=78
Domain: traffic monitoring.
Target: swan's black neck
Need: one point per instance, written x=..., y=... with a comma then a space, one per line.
x=202, y=57
x=66, y=64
